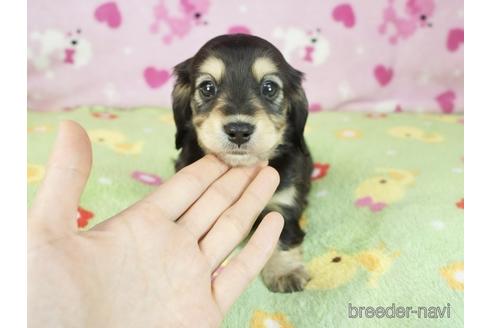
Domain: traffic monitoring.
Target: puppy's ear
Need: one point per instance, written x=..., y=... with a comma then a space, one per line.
x=298, y=111
x=181, y=101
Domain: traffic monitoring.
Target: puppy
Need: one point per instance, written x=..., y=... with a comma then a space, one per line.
x=239, y=99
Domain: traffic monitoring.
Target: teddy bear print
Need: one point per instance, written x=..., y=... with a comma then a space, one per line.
x=308, y=46
x=379, y=191
x=408, y=132
x=115, y=141
x=52, y=47
x=190, y=14
x=335, y=269
x=417, y=14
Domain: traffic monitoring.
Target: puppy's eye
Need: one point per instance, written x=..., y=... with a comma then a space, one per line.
x=269, y=89
x=207, y=89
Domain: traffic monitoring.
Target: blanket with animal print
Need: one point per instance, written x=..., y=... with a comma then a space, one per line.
x=367, y=53
x=384, y=225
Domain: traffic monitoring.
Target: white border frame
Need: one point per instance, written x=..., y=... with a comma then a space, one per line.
x=478, y=179
x=13, y=71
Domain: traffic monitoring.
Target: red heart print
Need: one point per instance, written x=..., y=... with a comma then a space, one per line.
x=315, y=107
x=319, y=170
x=383, y=75
x=456, y=37
x=446, y=101
x=239, y=29
x=83, y=217
x=156, y=78
x=108, y=13
x=345, y=14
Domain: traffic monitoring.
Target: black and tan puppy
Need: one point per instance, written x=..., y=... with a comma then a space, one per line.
x=239, y=99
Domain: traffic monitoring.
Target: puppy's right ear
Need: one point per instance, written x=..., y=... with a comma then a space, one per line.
x=181, y=101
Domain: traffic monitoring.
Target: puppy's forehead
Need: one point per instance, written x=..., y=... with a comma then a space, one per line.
x=213, y=66
x=263, y=66
x=259, y=66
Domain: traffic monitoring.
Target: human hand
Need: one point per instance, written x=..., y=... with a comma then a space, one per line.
x=150, y=265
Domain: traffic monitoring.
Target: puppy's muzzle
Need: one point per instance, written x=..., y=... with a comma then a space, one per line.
x=239, y=132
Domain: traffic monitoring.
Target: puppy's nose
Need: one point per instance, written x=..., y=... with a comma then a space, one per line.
x=239, y=133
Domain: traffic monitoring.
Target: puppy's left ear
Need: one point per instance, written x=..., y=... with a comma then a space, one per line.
x=298, y=111
x=181, y=101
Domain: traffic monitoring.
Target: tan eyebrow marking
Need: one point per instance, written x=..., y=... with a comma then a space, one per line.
x=263, y=66
x=214, y=67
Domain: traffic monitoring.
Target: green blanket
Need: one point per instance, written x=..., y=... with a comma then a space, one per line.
x=384, y=226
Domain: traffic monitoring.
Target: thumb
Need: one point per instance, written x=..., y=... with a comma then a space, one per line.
x=55, y=205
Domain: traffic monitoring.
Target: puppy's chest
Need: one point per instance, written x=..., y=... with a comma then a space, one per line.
x=285, y=197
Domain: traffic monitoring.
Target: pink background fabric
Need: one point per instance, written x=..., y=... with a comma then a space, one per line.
x=378, y=55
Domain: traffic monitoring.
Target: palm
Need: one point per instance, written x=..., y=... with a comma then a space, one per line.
x=150, y=265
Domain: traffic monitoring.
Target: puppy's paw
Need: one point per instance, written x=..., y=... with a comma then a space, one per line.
x=288, y=282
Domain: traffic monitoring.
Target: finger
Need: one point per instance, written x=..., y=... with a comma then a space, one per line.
x=219, y=196
x=175, y=196
x=235, y=223
x=242, y=269
x=55, y=205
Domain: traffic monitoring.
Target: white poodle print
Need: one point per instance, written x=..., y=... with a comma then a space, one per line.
x=403, y=24
x=308, y=46
x=178, y=17
x=51, y=47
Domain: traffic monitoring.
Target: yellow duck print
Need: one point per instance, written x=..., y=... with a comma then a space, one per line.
x=40, y=128
x=379, y=191
x=443, y=118
x=335, y=269
x=262, y=319
x=34, y=173
x=127, y=148
x=349, y=134
x=408, y=132
x=116, y=141
x=454, y=274
x=167, y=118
